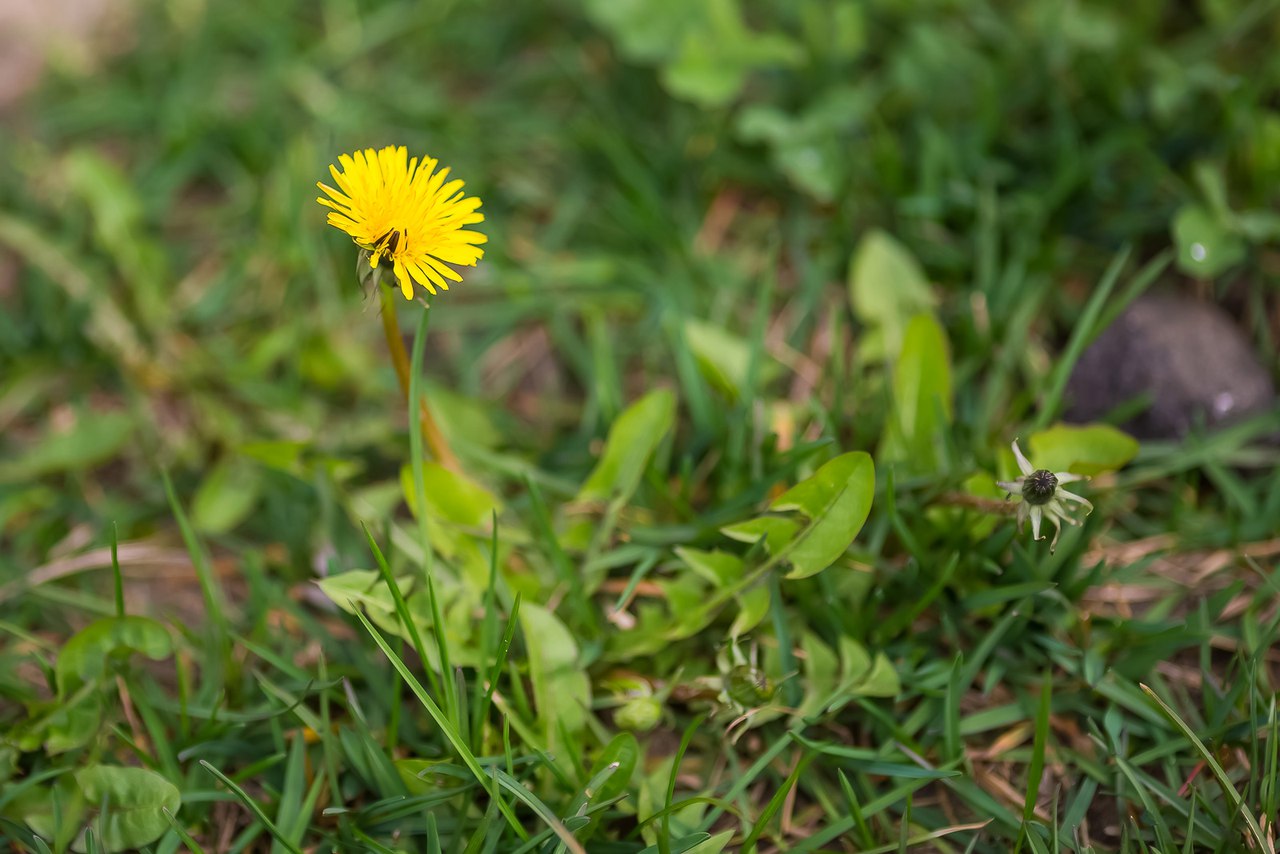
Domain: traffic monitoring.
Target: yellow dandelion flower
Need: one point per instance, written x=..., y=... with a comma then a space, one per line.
x=406, y=215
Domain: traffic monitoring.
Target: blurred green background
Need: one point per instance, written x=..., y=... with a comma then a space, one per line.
x=172, y=297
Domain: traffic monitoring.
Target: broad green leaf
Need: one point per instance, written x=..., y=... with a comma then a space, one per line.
x=93, y=439
x=462, y=420
x=364, y=588
x=1087, y=450
x=808, y=147
x=226, y=496
x=882, y=681
x=1207, y=247
x=645, y=30
x=561, y=691
x=820, y=666
x=54, y=812
x=855, y=661
x=719, y=568
x=135, y=799
x=73, y=722
x=725, y=359
x=282, y=455
x=922, y=397
x=686, y=596
x=450, y=495
x=887, y=287
x=714, y=845
x=84, y=658
x=632, y=440
x=860, y=675
x=752, y=608
x=775, y=530
x=717, y=55
x=837, y=500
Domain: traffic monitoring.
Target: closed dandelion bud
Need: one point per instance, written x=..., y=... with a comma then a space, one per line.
x=749, y=686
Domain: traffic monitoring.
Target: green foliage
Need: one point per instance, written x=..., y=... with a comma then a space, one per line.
x=561, y=691
x=632, y=441
x=922, y=398
x=836, y=499
x=886, y=288
x=119, y=809
x=1089, y=450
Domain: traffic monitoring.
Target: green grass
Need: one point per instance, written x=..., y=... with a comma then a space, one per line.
x=766, y=298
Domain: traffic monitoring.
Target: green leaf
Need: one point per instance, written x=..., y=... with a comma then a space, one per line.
x=450, y=495
x=837, y=500
x=775, y=530
x=887, y=287
x=717, y=55
x=820, y=666
x=922, y=397
x=73, y=722
x=714, y=845
x=860, y=675
x=882, y=681
x=719, y=568
x=632, y=441
x=135, y=799
x=686, y=596
x=753, y=605
x=462, y=420
x=226, y=496
x=362, y=588
x=84, y=658
x=561, y=691
x=1087, y=450
x=645, y=30
x=53, y=812
x=725, y=359
x=809, y=147
x=365, y=591
x=1207, y=247
x=281, y=454
x=93, y=439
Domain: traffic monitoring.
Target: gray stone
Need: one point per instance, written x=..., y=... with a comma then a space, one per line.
x=1187, y=356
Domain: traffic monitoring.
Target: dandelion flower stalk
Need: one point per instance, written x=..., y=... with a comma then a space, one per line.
x=431, y=434
x=411, y=220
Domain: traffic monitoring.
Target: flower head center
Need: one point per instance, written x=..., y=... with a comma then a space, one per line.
x=1039, y=486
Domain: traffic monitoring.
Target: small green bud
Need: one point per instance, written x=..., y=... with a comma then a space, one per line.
x=749, y=686
x=641, y=714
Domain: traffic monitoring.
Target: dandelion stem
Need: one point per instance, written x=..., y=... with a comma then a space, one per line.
x=400, y=358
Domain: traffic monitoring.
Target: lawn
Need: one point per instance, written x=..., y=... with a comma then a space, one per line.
x=675, y=525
